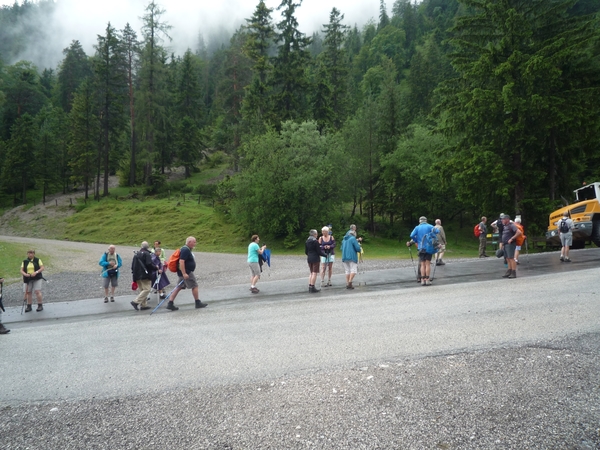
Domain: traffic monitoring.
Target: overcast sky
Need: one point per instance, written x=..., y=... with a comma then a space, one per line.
x=85, y=19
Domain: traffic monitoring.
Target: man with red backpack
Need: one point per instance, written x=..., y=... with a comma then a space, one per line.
x=481, y=233
x=185, y=271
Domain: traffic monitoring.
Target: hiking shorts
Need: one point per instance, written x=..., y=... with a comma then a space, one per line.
x=255, y=269
x=327, y=259
x=509, y=250
x=190, y=283
x=314, y=267
x=423, y=256
x=566, y=239
x=110, y=281
x=32, y=286
x=350, y=267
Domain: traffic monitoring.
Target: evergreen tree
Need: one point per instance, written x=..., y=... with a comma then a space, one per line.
x=110, y=71
x=289, y=77
x=73, y=69
x=527, y=74
x=84, y=133
x=23, y=94
x=335, y=63
x=152, y=75
x=50, y=127
x=188, y=144
x=18, y=172
x=256, y=103
x=189, y=95
x=384, y=19
x=131, y=48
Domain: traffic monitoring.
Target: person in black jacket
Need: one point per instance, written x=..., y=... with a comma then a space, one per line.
x=3, y=329
x=141, y=270
x=313, y=257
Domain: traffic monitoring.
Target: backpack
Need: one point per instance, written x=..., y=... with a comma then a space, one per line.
x=477, y=231
x=564, y=226
x=521, y=239
x=430, y=243
x=173, y=263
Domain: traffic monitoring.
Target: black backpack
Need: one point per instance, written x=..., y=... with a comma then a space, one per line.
x=564, y=226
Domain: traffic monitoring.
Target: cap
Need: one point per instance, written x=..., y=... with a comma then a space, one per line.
x=422, y=219
x=506, y=216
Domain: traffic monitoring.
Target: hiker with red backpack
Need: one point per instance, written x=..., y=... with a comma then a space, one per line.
x=184, y=263
x=480, y=232
x=520, y=240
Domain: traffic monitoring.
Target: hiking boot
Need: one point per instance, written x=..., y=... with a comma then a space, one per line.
x=135, y=305
x=313, y=290
x=517, y=261
x=440, y=263
x=423, y=282
x=328, y=283
x=144, y=308
x=254, y=290
x=105, y=299
x=513, y=274
x=507, y=274
x=40, y=307
x=199, y=304
x=3, y=329
x=172, y=307
x=112, y=299
x=562, y=258
x=163, y=296
x=567, y=259
x=28, y=308
x=427, y=282
x=350, y=286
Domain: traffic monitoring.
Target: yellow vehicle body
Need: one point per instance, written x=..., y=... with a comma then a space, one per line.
x=585, y=213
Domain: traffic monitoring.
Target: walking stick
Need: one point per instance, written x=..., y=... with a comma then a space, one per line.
x=433, y=274
x=413, y=262
x=163, y=300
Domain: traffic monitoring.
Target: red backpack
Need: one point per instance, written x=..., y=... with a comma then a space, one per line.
x=477, y=231
x=173, y=263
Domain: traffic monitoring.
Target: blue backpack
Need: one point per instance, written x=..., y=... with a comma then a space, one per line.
x=430, y=243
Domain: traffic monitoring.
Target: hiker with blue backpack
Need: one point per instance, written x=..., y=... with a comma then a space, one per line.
x=424, y=236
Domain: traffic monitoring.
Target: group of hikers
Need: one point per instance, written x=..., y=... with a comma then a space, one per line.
x=149, y=266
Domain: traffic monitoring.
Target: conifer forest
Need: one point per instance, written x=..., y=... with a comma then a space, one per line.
x=443, y=108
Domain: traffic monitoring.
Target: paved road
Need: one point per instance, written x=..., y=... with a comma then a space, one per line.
x=472, y=362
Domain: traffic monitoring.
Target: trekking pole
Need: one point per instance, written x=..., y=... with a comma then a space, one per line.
x=413, y=261
x=163, y=300
x=433, y=274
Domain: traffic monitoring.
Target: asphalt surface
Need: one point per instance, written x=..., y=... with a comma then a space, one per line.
x=474, y=361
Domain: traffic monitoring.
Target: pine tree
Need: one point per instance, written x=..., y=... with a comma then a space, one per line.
x=131, y=48
x=84, y=132
x=152, y=74
x=335, y=62
x=384, y=19
x=75, y=68
x=256, y=103
x=111, y=81
x=289, y=77
x=49, y=124
x=18, y=172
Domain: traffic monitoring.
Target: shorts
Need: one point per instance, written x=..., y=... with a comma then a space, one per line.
x=190, y=283
x=566, y=239
x=519, y=247
x=327, y=260
x=442, y=248
x=424, y=256
x=108, y=281
x=509, y=250
x=350, y=267
x=32, y=286
x=255, y=269
x=314, y=267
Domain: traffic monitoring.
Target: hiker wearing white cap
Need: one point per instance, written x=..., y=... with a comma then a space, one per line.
x=565, y=228
x=426, y=252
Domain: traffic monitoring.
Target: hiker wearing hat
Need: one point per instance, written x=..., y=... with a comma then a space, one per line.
x=425, y=250
x=565, y=228
x=510, y=234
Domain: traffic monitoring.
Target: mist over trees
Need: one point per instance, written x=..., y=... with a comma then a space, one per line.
x=449, y=108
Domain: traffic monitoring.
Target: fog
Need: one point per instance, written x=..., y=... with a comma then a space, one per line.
x=84, y=20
